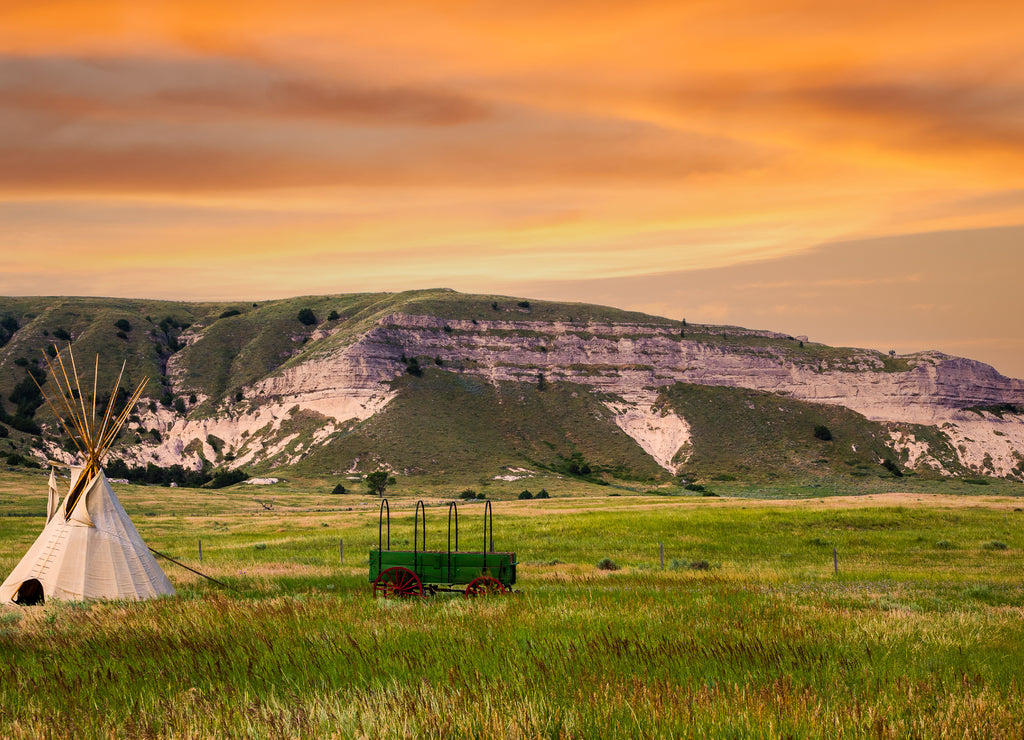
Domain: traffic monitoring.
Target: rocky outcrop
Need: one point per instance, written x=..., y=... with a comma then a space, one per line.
x=630, y=359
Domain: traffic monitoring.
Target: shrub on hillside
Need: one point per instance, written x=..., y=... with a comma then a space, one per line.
x=607, y=564
x=216, y=443
x=24, y=424
x=123, y=325
x=338, y=490
x=307, y=317
x=27, y=396
x=823, y=433
x=468, y=494
x=227, y=478
x=892, y=467
x=15, y=459
x=542, y=494
x=525, y=495
x=576, y=465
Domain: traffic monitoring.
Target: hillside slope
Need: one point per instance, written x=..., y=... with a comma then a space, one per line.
x=436, y=382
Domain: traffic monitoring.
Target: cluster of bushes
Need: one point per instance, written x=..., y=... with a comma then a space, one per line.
x=171, y=329
x=168, y=323
x=469, y=494
x=24, y=424
x=576, y=465
x=412, y=365
x=123, y=326
x=8, y=325
x=700, y=488
x=892, y=467
x=27, y=400
x=178, y=475
x=15, y=459
x=526, y=495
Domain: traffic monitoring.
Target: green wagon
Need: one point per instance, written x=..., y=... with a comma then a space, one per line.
x=417, y=572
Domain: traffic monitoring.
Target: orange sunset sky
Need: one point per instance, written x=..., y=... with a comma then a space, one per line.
x=849, y=171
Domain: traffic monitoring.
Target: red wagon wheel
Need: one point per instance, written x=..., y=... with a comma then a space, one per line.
x=397, y=582
x=484, y=586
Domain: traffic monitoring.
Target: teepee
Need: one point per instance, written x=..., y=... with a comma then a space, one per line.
x=89, y=548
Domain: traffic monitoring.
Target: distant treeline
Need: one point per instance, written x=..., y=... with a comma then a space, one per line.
x=177, y=475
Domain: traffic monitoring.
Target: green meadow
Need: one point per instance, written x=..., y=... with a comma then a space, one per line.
x=746, y=631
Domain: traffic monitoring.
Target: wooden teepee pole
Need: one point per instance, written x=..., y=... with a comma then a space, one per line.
x=92, y=440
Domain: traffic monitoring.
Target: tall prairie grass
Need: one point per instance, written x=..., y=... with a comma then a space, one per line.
x=908, y=640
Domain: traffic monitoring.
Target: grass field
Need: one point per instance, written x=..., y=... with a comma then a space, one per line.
x=919, y=635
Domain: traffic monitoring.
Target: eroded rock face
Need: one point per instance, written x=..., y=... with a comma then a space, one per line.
x=630, y=363
x=629, y=359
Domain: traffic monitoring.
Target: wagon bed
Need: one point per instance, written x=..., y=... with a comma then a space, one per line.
x=416, y=572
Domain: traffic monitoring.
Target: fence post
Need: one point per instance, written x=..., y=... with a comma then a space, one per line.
x=835, y=561
x=200, y=551
x=661, y=554
x=341, y=551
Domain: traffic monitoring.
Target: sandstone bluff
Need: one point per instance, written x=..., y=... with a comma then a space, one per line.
x=278, y=394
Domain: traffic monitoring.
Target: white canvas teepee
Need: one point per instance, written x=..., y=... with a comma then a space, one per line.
x=89, y=548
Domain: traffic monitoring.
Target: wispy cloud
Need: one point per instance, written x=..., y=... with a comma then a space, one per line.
x=184, y=89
